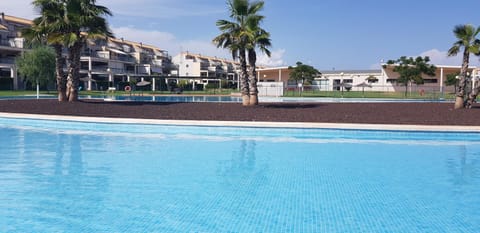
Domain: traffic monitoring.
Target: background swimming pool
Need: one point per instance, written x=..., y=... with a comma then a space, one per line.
x=84, y=177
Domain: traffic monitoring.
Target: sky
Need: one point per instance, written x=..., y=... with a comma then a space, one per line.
x=327, y=34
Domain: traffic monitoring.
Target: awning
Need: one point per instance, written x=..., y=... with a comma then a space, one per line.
x=117, y=51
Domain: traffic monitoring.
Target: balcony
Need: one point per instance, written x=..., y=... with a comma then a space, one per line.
x=7, y=60
x=157, y=62
x=13, y=43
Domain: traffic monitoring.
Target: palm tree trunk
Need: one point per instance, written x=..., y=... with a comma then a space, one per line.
x=74, y=72
x=473, y=96
x=460, y=95
x=252, y=80
x=244, y=79
x=61, y=81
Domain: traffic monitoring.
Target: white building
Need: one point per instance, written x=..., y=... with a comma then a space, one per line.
x=383, y=79
x=202, y=70
x=104, y=62
x=11, y=46
x=116, y=61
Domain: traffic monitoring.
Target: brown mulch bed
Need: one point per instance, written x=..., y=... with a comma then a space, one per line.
x=374, y=113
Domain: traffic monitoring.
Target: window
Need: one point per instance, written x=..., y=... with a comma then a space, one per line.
x=391, y=80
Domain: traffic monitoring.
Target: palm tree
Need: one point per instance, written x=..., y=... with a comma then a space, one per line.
x=236, y=36
x=86, y=20
x=47, y=28
x=69, y=23
x=261, y=39
x=466, y=35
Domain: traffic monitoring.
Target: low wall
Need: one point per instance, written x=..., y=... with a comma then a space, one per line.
x=270, y=89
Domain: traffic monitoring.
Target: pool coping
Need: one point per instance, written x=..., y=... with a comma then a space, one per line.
x=257, y=124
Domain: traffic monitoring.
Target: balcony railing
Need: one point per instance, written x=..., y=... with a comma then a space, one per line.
x=12, y=43
x=7, y=60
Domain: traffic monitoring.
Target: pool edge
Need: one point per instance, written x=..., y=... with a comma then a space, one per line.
x=262, y=124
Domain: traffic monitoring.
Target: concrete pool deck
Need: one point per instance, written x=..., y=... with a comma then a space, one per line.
x=304, y=125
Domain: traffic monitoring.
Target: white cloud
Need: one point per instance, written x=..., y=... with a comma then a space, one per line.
x=438, y=57
x=206, y=48
x=163, y=40
x=168, y=41
x=276, y=58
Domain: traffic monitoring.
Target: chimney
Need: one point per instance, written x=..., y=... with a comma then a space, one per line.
x=2, y=16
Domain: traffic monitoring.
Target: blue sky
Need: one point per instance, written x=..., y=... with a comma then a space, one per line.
x=328, y=34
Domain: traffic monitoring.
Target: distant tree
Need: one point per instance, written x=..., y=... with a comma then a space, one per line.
x=466, y=35
x=303, y=73
x=452, y=80
x=411, y=70
x=37, y=65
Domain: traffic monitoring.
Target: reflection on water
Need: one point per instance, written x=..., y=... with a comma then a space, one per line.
x=56, y=176
x=89, y=177
x=243, y=168
x=465, y=166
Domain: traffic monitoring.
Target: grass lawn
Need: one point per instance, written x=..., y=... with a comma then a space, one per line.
x=24, y=93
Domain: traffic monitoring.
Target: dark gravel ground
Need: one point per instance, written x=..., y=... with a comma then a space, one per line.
x=373, y=113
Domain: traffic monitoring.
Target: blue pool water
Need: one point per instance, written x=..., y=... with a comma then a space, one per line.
x=90, y=177
x=176, y=98
x=185, y=98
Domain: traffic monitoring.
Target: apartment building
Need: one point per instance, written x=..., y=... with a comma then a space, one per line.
x=105, y=63
x=11, y=46
x=115, y=62
x=201, y=70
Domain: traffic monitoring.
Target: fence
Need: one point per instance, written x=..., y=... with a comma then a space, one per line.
x=274, y=89
x=389, y=91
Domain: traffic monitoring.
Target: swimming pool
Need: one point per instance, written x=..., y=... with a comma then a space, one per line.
x=61, y=176
x=186, y=98
x=175, y=98
x=236, y=99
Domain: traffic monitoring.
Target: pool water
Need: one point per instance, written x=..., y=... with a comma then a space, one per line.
x=175, y=98
x=58, y=176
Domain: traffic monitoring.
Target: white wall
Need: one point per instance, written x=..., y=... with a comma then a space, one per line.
x=270, y=88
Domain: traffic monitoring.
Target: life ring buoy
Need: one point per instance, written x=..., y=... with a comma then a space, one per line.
x=128, y=88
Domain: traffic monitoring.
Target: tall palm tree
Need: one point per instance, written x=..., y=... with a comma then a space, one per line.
x=69, y=23
x=86, y=20
x=236, y=36
x=261, y=40
x=466, y=35
x=47, y=28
